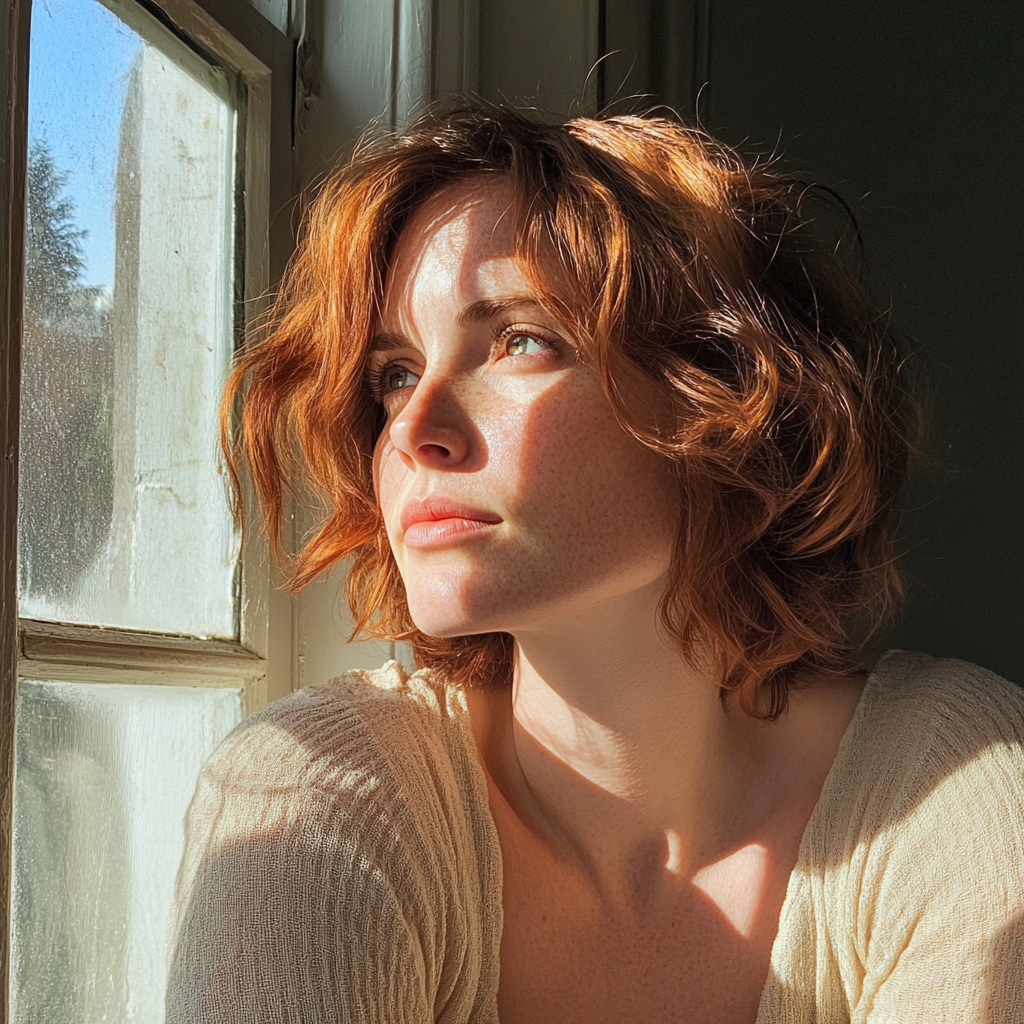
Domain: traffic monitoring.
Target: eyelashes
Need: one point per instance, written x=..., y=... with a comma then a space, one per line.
x=375, y=380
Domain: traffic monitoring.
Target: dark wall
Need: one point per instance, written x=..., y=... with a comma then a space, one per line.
x=913, y=112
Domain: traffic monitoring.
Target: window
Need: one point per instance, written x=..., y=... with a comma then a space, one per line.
x=150, y=144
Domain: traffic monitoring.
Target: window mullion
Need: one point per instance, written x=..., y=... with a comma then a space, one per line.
x=86, y=654
x=81, y=654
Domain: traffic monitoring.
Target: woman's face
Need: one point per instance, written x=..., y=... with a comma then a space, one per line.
x=513, y=499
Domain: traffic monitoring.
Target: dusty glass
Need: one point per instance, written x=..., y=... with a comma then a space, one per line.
x=129, y=298
x=103, y=775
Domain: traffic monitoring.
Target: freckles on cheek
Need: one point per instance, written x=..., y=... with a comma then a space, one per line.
x=566, y=440
x=503, y=437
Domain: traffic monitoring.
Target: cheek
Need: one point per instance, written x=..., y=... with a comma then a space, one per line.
x=589, y=481
x=388, y=474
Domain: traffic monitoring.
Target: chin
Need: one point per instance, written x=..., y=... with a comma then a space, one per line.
x=443, y=626
x=445, y=611
x=447, y=622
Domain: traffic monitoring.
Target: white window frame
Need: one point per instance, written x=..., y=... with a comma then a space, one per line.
x=259, y=664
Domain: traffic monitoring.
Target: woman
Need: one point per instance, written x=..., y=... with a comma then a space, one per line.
x=614, y=443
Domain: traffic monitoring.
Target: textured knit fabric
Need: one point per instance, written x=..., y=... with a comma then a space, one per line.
x=342, y=864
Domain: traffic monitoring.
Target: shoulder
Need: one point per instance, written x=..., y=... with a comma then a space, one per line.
x=944, y=699
x=338, y=765
x=926, y=726
x=370, y=747
x=380, y=762
x=934, y=745
x=344, y=829
x=319, y=735
x=907, y=902
x=933, y=770
x=915, y=850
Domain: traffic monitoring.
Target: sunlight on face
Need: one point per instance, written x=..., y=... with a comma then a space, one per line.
x=512, y=497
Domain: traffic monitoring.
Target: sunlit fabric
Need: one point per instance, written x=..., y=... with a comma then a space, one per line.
x=341, y=862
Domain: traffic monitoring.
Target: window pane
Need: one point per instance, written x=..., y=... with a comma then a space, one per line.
x=128, y=326
x=103, y=775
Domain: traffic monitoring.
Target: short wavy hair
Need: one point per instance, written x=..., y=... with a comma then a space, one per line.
x=790, y=419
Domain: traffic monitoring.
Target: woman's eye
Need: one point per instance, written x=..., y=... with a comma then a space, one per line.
x=389, y=379
x=399, y=378
x=524, y=345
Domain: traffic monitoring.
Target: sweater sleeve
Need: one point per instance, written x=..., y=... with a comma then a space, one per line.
x=302, y=896
x=906, y=906
x=940, y=884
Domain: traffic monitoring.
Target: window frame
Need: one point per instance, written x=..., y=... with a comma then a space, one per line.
x=233, y=34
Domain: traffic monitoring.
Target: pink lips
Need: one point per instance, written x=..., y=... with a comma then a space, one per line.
x=433, y=521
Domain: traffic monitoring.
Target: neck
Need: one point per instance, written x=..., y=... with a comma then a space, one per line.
x=618, y=753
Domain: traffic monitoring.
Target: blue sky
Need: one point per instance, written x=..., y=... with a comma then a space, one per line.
x=78, y=71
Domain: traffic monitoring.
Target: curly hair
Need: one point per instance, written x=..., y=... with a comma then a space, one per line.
x=791, y=418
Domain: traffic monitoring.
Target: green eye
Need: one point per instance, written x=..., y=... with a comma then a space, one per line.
x=523, y=345
x=397, y=378
x=391, y=378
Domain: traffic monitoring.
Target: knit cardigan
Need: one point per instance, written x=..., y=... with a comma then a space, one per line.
x=342, y=866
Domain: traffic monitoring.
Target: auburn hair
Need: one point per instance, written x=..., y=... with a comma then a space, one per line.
x=790, y=417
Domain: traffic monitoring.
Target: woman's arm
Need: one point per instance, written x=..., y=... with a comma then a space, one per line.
x=285, y=915
x=340, y=866
x=303, y=895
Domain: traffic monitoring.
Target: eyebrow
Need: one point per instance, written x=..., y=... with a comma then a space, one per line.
x=385, y=342
x=475, y=313
x=488, y=309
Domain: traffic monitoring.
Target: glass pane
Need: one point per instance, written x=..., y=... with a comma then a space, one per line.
x=128, y=326
x=103, y=775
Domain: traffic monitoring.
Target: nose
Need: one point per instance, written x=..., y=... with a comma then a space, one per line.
x=432, y=428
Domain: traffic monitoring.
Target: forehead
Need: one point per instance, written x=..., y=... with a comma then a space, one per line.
x=478, y=212
x=460, y=241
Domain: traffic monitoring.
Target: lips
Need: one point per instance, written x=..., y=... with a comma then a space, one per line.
x=432, y=521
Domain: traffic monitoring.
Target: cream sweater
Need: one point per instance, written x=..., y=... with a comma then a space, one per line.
x=342, y=865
